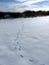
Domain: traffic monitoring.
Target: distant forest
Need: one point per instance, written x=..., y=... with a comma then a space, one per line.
x=4, y=15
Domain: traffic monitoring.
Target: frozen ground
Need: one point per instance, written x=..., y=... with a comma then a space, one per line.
x=24, y=41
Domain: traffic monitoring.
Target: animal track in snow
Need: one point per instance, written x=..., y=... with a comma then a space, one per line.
x=21, y=56
x=33, y=60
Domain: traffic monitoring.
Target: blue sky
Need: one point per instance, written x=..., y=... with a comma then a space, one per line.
x=21, y=5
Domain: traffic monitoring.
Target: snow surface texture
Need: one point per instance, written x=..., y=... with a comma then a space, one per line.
x=24, y=41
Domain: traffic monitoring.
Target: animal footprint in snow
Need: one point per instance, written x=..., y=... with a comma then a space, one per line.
x=21, y=56
x=19, y=48
x=33, y=60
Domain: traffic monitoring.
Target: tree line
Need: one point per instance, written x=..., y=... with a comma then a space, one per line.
x=4, y=15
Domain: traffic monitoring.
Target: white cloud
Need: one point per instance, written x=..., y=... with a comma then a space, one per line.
x=24, y=5
x=29, y=2
x=43, y=8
